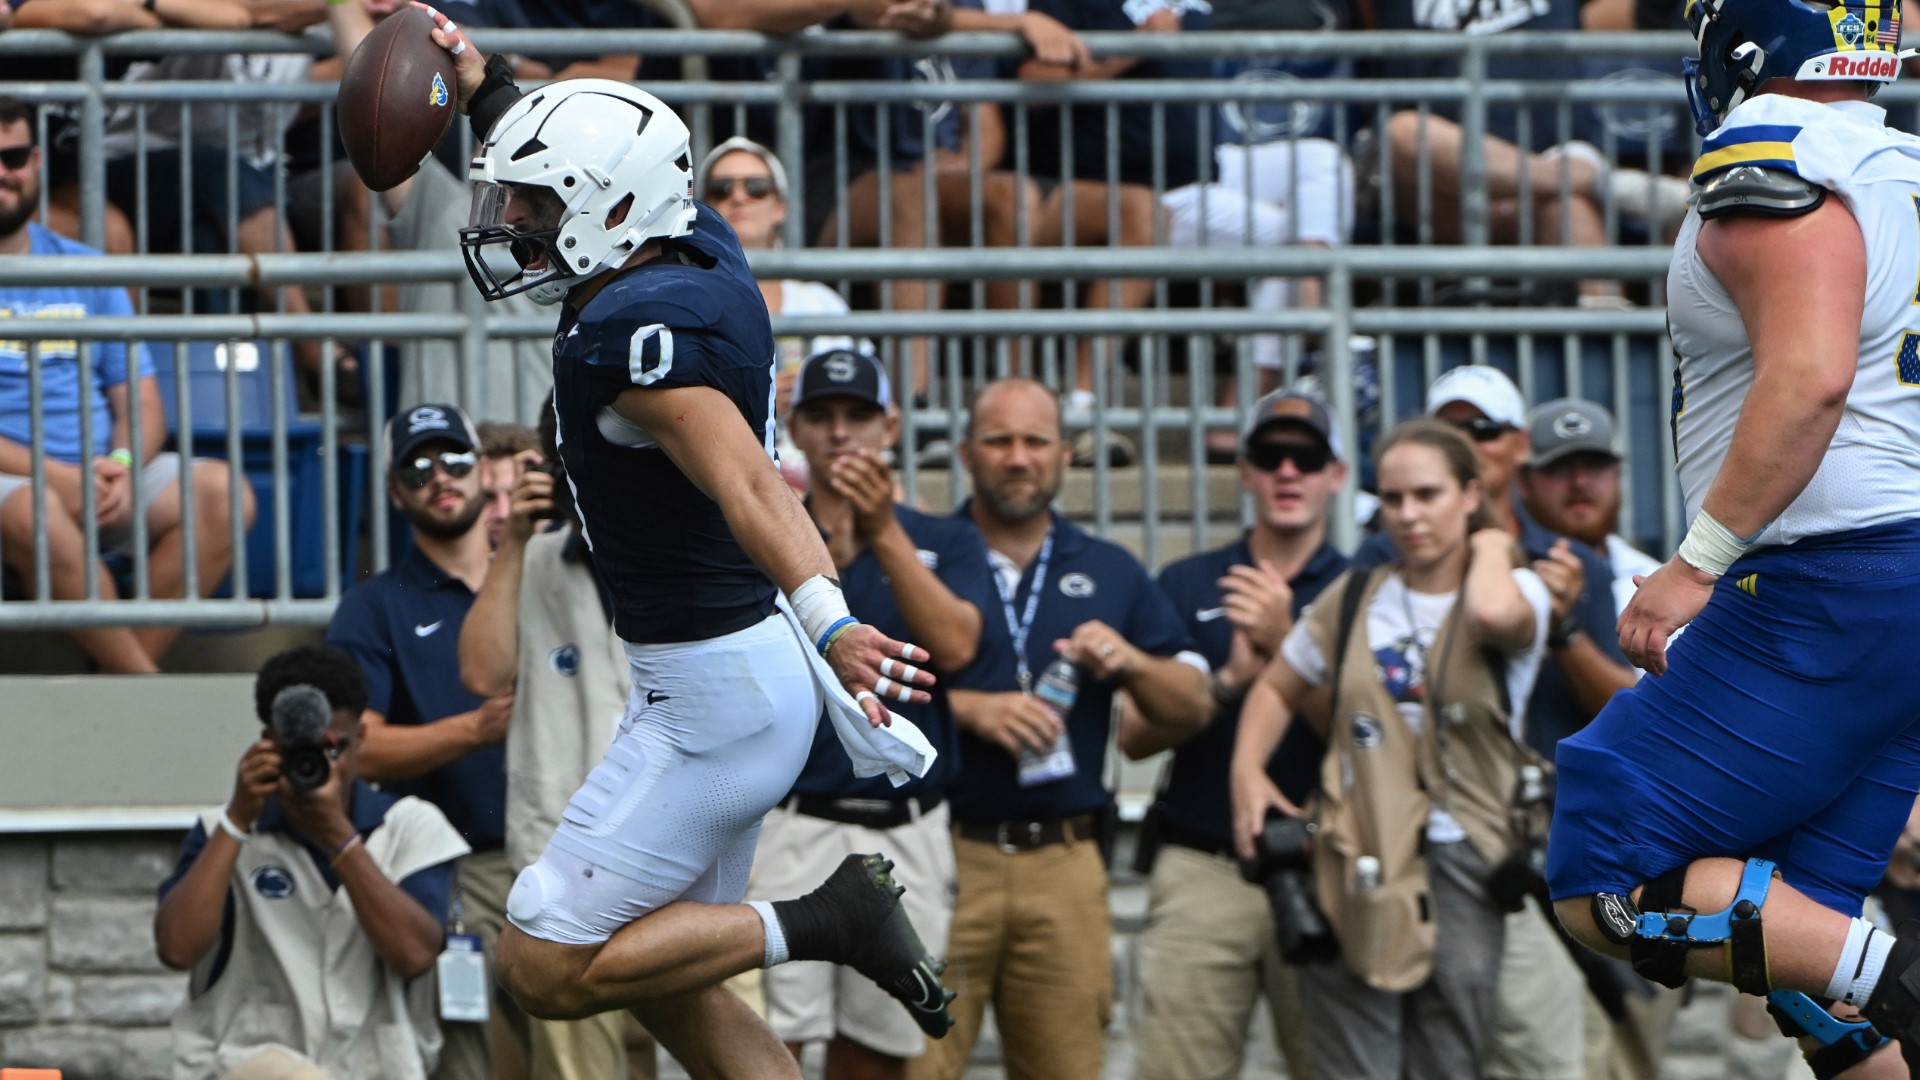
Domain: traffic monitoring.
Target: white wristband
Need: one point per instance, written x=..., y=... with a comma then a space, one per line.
x=1711, y=547
x=819, y=603
x=227, y=826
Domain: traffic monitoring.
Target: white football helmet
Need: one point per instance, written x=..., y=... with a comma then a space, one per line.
x=584, y=147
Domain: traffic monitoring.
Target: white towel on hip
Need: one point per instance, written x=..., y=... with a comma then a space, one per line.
x=898, y=750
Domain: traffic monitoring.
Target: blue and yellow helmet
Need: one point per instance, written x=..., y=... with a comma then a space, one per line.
x=1743, y=43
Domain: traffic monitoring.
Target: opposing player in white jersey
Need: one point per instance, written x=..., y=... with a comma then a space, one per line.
x=663, y=393
x=1726, y=818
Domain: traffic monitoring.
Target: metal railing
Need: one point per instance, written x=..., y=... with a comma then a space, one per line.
x=1167, y=394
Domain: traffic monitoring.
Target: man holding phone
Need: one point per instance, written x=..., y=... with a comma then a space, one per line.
x=305, y=915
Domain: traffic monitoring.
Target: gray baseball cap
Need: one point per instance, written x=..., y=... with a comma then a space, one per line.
x=1566, y=426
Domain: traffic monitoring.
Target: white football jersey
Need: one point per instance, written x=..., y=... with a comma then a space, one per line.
x=1871, y=473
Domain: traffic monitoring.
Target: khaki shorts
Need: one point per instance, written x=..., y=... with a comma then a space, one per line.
x=156, y=476
x=813, y=1002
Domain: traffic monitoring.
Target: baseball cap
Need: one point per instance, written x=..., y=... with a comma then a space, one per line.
x=1485, y=388
x=1568, y=426
x=413, y=428
x=1294, y=408
x=741, y=142
x=842, y=372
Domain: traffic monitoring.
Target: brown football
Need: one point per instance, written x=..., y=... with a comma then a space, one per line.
x=397, y=97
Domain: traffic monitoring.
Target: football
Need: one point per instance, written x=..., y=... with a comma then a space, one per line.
x=397, y=97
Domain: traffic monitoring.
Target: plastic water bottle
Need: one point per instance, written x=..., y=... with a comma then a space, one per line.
x=1366, y=873
x=1057, y=690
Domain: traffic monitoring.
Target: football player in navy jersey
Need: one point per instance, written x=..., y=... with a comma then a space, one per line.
x=663, y=392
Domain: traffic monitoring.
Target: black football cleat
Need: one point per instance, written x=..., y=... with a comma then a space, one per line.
x=880, y=941
x=1894, y=1007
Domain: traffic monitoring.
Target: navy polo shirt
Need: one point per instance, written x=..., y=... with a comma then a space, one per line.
x=1087, y=578
x=1552, y=711
x=953, y=550
x=1194, y=806
x=403, y=628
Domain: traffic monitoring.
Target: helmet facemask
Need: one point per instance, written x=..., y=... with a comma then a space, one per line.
x=510, y=228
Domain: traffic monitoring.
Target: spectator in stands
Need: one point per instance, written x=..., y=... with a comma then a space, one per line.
x=426, y=735
x=86, y=18
x=426, y=212
x=1571, y=485
x=307, y=917
x=123, y=381
x=1543, y=185
x=540, y=630
x=1031, y=932
x=918, y=578
x=1078, y=207
x=506, y=449
x=1209, y=950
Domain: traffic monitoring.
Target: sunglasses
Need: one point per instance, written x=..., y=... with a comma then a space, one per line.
x=16, y=157
x=417, y=473
x=1309, y=458
x=1482, y=428
x=720, y=188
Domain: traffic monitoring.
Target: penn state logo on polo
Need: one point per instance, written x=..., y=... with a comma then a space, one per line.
x=1572, y=426
x=840, y=369
x=565, y=660
x=273, y=882
x=1077, y=585
x=427, y=418
x=1368, y=733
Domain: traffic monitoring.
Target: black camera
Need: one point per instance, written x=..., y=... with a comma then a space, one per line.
x=560, y=504
x=1283, y=865
x=299, y=724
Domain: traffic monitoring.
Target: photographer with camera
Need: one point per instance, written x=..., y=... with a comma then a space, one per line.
x=1428, y=661
x=1211, y=948
x=308, y=906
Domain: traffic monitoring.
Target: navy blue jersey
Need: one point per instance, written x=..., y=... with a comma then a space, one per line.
x=1194, y=806
x=1088, y=578
x=693, y=317
x=953, y=550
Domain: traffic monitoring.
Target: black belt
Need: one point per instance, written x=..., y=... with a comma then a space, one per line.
x=1017, y=836
x=1186, y=838
x=866, y=813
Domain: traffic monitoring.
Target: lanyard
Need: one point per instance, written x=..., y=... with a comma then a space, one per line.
x=1019, y=627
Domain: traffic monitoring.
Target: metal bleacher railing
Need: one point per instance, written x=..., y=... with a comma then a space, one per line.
x=1411, y=306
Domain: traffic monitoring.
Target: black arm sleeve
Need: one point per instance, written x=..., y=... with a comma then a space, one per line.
x=496, y=95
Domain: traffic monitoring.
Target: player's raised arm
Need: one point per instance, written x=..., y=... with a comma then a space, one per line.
x=703, y=433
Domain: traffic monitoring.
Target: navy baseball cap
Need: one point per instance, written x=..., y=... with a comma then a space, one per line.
x=413, y=428
x=842, y=372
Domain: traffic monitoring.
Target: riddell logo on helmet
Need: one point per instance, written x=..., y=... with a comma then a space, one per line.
x=1869, y=66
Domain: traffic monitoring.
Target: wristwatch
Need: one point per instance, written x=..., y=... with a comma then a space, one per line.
x=1563, y=633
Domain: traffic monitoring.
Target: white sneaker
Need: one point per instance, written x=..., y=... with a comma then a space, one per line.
x=1660, y=201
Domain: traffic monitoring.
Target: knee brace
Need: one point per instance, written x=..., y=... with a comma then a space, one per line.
x=1658, y=938
x=1842, y=1045
x=534, y=892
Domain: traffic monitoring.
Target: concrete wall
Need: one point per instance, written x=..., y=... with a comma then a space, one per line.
x=80, y=987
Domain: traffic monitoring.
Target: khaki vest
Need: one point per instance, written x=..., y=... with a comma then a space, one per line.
x=1380, y=779
x=562, y=723
x=302, y=976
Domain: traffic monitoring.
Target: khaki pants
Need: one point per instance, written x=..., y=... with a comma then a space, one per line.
x=1032, y=934
x=1633, y=1048
x=1207, y=954
x=1539, y=1021
x=482, y=881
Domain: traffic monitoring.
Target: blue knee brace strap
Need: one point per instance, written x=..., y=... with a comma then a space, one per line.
x=1658, y=938
x=1842, y=1045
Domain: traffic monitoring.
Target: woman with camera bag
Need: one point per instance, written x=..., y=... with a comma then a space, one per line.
x=1428, y=662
